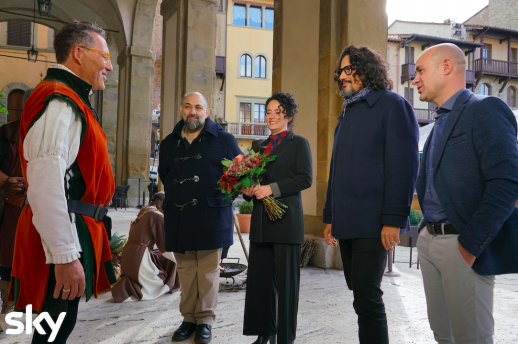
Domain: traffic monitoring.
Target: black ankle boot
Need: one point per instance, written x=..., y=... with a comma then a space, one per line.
x=266, y=340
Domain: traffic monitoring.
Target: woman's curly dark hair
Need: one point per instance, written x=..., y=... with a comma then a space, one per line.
x=368, y=65
x=287, y=102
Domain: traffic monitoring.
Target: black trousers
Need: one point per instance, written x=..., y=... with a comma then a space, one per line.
x=273, y=270
x=66, y=327
x=364, y=262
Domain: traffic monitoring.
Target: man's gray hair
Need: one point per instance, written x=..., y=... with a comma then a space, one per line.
x=198, y=93
x=76, y=33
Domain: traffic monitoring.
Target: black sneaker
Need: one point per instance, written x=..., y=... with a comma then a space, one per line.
x=203, y=334
x=183, y=332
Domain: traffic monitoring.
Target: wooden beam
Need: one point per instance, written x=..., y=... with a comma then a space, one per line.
x=424, y=46
x=505, y=39
x=503, y=86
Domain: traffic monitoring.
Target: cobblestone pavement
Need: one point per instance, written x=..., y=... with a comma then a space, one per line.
x=325, y=315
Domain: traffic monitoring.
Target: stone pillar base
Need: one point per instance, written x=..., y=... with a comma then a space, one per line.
x=325, y=257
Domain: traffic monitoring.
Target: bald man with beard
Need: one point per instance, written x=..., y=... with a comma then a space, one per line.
x=467, y=188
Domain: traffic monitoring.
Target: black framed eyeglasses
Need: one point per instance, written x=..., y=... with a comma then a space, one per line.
x=348, y=70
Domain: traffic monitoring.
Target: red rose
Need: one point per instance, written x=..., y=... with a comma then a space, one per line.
x=268, y=148
x=239, y=158
x=268, y=156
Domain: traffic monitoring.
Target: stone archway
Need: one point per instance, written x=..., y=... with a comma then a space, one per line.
x=126, y=101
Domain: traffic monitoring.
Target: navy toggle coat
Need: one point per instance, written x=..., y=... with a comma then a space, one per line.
x=196, y=217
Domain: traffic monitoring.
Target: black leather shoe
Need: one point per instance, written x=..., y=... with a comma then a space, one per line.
x=183, y=332
x=203, y=334
x=266, y=340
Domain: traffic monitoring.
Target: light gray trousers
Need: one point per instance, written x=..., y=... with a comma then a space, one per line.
x=459, y=301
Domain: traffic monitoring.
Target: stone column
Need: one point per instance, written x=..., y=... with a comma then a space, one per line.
x=134, y=119
x=188, y=55
x=308, y=39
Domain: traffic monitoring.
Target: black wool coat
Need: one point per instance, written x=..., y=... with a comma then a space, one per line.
x=289, y=174
x=373, y=168
x=196, y=217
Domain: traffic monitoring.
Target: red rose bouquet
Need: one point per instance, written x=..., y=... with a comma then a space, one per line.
x=246, y=171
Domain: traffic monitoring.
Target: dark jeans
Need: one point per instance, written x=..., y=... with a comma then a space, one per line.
x=364, y=262
x=66, y=327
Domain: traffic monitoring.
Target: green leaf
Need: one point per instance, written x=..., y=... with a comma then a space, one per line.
x=245, y=182
x=226, y=163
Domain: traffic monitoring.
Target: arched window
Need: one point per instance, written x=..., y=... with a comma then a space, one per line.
x=246, y=66
x=260, y=67
x=485, y=89
x=511, y=96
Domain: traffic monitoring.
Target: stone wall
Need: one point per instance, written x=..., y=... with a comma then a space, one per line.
x=110, y=98
x=499, y=13
x=503, y=13
x=496, y=85
x=480, y=18
x=157, y=48
x=218, y=109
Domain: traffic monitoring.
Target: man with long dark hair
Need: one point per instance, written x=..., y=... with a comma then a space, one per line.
x=371, y=181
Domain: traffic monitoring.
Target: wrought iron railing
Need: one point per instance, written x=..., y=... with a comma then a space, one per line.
x=248, y=130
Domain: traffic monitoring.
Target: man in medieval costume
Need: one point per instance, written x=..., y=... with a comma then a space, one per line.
x=61, y=239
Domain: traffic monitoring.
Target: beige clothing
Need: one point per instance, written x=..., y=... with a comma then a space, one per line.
x=199, y=280
x=146, y=274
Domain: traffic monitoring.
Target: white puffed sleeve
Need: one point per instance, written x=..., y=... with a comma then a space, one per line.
x=50, y=147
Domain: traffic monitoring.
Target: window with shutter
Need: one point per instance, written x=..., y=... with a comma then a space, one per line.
x=409, y=97
x=411, y=55
x=19, y=33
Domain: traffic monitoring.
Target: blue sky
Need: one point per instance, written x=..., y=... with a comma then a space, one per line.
x=433, y=10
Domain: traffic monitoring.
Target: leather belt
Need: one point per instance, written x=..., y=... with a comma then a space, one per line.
x=139, y=243
x=440, y=228
x=98, y=213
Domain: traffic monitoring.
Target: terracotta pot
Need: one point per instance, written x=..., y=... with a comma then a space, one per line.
x=244, y=222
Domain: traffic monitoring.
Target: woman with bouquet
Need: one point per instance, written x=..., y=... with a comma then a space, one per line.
x=274, y=265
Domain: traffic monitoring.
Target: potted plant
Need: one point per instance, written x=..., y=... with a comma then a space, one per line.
x=416, y=216
x=244, y=216
x=221, y=121
x=116, y=245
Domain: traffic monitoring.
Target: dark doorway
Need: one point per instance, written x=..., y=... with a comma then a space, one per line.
x=14, y=104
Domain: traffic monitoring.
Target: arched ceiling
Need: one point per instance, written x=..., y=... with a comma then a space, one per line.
x=118, y=15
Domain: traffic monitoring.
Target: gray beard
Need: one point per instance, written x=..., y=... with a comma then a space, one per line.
x=193, y=125
x=347, y=94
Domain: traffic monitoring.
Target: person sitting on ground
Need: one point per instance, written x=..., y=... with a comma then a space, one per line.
x=147, y=273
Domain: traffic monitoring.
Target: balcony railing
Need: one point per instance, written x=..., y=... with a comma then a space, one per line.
x=248, y=130
x=470, y=77
x=407, y=72
x=424, y=115
x=496, y=67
